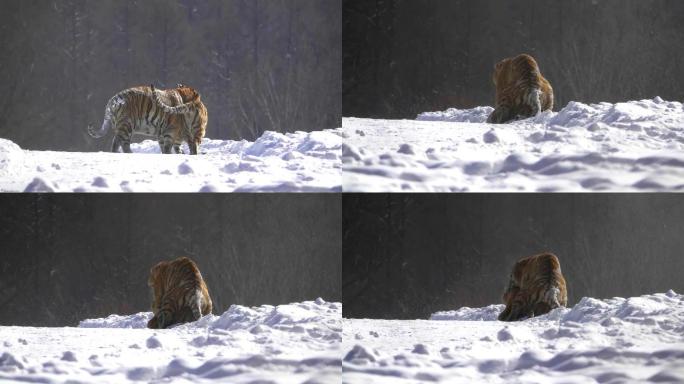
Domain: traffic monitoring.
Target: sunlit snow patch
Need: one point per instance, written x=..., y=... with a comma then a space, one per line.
x=630, y=146
x=290, y=162
x=296, y=342
x=632, y=339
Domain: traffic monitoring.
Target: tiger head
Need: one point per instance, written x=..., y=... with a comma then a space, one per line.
x=510, y=291
x=157, y=274
x=155, y=281
x=499, y=67
x=187, y=94
x=190, y=99
x=512, y=69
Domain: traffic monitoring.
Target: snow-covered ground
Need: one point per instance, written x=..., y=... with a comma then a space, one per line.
x=292, y=343
x=617, y=340
x=631, y=146
x=292, y=162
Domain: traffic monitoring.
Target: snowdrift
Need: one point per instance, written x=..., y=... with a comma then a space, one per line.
x=292, y=162
x=630, y=146
x=280, y=344
x=612, y=340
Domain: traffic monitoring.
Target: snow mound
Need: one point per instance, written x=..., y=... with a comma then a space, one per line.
x=138, y=320
x=236, y=317
x=297, y=342
x=642, y=310
x=634, y=339
x=11, y=156
x=473, y=115
x=275, y=162
x=489, y=313
x=629, y=146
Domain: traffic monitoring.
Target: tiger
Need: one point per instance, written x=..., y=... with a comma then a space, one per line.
x=536, y=286
x=170, y=115
x=179, y=293
x=191, y=116
x=521, y=90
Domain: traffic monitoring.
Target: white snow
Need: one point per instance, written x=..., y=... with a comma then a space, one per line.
x=290, y=343
x=635, y=339
x=292, y=162
x=630, y=146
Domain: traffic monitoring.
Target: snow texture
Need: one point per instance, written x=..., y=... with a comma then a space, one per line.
x=616, y=340
x=630, y=146
x=291, y=343
x=291, y=162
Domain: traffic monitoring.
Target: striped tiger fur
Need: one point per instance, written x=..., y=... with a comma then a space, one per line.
x=521, y=90
x=172, y=116
x=179, y=294
x=536, y=286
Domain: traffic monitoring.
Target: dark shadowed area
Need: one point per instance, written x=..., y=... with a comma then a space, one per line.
x=258, y=64
x=403, y=57
x=410, y=255
x=70, y=257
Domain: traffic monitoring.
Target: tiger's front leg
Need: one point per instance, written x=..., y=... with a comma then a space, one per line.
x=166, y=144
x=153, y=323
x=500, y=115
x=161, y=320
x=193, y=147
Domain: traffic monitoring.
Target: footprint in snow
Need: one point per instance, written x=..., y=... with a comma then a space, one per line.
x=406, y=149
x=184, y=168
x=420, y=349
x=100, y=181
x=359, y=354
x=69, y=356
x=153, y=342
x=39, y=185
x=504, y=334
x=490, y=137
x=208, y=188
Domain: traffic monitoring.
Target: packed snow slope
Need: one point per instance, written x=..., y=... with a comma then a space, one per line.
x=292, y=162
x=631, y=146
x=293, y=343
x=638, y=339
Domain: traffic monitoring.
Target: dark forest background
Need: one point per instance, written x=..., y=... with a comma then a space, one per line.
x=70, y=257
x=258, y=64
x=407, y=256
x=403, y=57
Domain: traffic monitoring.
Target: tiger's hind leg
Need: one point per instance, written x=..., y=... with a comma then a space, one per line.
x=121, y=142
x=177, y=149
x=116, y=144
x=122, y=138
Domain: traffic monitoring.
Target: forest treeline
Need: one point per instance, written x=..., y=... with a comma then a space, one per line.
x=258, y=64
x=403, y=57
